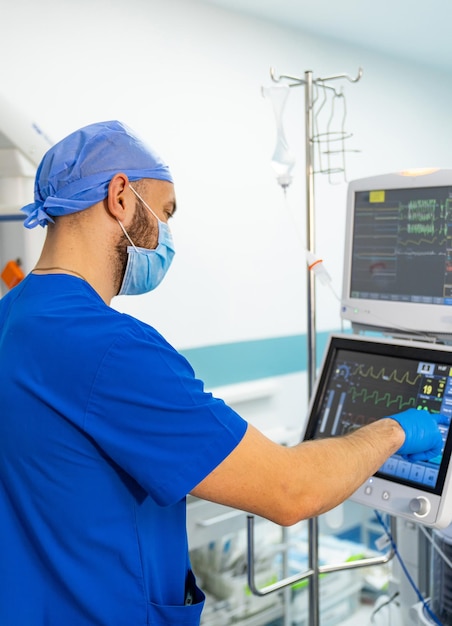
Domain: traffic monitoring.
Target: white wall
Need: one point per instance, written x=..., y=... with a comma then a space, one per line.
x=187, y=77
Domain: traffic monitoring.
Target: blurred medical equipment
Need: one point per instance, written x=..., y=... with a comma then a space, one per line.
x=441, y=574
x=398, y=254
x=317, y=267
x=325, y=107
x=331, y=147
x=22, y=145
x=283, y=160
x=12, y=273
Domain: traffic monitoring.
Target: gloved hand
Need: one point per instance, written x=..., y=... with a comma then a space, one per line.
x=423, y=439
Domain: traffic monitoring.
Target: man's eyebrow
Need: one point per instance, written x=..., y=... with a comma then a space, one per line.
x=171, y=205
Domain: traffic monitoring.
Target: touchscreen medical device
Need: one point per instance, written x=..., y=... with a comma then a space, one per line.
x=398, y=253
x=363, y=379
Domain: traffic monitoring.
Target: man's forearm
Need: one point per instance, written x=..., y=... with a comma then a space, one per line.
x=334, y=468
x=287, y=485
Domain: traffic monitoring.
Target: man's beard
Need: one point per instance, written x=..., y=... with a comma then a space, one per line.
x=143, y=233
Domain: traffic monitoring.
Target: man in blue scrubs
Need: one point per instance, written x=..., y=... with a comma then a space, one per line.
x=104, y=429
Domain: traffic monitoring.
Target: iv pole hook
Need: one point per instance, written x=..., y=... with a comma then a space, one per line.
x=296, y=81
x=277, y=78
x=346, y=76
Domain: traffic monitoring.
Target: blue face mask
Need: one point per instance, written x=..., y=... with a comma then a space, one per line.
x=146, y=268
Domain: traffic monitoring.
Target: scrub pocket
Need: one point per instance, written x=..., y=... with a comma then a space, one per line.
x=183, y=615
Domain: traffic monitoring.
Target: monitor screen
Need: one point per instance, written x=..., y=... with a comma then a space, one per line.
x=365, y=379
x=398, y=253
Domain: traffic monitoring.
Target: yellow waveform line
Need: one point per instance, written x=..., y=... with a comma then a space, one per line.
x=381, y=374
x=421, y=240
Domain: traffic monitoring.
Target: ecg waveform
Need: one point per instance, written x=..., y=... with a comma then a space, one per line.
x=371, y=388
x=381, y=374
x=379, y=386
x=401, y=246
x=423, y=222
x=421, y=209
x=386, y=399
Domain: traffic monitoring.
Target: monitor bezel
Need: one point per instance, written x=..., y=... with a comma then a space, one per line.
x=394, y=347
x=415, y=319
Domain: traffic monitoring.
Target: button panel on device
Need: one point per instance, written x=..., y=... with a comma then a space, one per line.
x=409, y=503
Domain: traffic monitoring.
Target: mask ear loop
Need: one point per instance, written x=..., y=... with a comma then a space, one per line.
x=145, y=203
x=126, y=234
x=120, y=223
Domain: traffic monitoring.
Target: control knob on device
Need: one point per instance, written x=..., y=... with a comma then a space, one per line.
x=420, y=506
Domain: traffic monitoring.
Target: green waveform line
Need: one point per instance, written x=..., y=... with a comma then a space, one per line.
x=421, y=229
x=385, y=399
x=421, y=216
x=381, y=373
x=422, y=205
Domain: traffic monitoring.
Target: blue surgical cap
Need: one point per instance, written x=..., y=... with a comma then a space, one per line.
x=75, y=173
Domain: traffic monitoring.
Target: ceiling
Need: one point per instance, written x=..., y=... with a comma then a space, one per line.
x=417, y=31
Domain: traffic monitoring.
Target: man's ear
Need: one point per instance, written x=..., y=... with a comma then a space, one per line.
x=117, y=203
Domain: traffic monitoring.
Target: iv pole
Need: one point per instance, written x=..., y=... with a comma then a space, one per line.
x=314, y=569
x=308, y=83
x=313, y=555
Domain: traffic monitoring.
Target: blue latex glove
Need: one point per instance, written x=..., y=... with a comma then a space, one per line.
x=423, y=439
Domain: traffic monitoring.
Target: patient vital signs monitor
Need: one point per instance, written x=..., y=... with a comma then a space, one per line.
x=398, y=253
x=363, y=379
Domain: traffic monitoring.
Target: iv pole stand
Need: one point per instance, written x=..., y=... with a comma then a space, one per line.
x=314, y=569
x=313, y=525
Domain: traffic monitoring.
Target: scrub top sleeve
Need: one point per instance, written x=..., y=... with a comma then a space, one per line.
x=149, y=413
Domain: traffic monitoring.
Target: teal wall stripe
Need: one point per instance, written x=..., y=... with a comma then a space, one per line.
x=230, y=363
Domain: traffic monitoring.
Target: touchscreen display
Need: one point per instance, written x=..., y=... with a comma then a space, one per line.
x=359, y=386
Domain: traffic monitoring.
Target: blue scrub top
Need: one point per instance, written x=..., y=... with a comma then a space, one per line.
x=104, y=429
